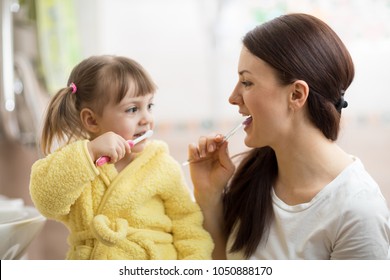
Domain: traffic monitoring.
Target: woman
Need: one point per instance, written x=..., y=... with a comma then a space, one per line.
x=296, y=194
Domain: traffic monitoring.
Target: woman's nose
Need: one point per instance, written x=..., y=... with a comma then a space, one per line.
x=235, y=97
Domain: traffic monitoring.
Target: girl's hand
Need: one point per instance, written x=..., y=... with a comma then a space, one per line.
x=109, y=144
x=210, y=167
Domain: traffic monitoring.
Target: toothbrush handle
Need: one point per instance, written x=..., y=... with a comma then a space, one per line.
x=225, y=138
x=104, y=159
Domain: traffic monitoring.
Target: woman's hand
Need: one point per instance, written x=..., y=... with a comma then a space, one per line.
x=108, y=144
x=210, y=167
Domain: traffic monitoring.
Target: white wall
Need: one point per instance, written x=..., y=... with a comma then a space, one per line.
x=172, y=42
x=191, y=48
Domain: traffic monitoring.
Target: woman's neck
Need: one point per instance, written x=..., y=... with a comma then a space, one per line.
x=307, y=162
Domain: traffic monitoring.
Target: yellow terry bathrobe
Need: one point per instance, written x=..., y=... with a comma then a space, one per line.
x=143, y=212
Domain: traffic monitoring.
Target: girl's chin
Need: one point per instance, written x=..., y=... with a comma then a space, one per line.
x=139, y=147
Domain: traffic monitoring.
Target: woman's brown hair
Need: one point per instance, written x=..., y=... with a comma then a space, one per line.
x=298, y=47
x=99, y=80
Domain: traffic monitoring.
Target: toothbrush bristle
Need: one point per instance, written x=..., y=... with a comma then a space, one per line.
x=149, y=133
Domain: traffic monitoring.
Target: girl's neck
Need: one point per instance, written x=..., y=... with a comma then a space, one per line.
x=121, y=164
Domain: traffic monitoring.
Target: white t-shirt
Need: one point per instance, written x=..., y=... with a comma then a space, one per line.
x=347, y=219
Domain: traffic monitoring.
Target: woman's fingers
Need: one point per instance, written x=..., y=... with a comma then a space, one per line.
x=202, y=146
x=193, y=152
x=224, y=158
x=206, y=147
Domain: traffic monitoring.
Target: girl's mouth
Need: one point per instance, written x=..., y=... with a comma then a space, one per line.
x=139, y=134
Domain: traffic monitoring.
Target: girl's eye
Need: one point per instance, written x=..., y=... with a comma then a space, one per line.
x=132, y=110
x=150, y=106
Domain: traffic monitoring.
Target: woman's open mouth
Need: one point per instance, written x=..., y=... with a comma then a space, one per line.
x=247, y=121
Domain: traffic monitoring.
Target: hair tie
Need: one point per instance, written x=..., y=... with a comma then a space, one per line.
x=74, y=88
x=341, y=104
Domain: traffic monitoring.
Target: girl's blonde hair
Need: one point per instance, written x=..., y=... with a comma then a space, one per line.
x=98, y=79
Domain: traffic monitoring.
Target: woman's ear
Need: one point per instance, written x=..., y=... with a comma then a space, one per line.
x=299, y=95
x=88, y=119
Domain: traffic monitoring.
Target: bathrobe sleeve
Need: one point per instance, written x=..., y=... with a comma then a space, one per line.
x=191, y=240
x=58, y=180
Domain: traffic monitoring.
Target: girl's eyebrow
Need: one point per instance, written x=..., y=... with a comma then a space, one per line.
x=135, y=100
x=128, y=102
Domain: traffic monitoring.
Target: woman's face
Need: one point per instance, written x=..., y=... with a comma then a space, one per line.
x=259, y=94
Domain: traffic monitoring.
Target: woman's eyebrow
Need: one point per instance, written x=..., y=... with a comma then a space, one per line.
x=244, y=71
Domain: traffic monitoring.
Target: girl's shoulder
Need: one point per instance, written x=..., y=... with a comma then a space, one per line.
x=159, y=150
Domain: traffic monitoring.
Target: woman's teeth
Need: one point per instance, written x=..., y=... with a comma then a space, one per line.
x=247, y=121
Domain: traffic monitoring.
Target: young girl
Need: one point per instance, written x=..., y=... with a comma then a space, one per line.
x=135, y=207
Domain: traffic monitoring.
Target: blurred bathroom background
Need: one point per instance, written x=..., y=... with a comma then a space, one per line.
x=190, y=48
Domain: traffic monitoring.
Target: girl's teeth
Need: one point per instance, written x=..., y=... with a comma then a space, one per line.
x=138, y=134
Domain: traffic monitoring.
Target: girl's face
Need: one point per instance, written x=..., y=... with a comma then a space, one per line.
x=130, y=118
x=259, y=94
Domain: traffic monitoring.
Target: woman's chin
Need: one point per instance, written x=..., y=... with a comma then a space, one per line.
x=248, y=143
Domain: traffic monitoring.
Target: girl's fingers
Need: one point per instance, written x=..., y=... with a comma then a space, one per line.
x=121, y=148
x=127, y=147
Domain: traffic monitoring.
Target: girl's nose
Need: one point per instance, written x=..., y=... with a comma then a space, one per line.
x=147, y=117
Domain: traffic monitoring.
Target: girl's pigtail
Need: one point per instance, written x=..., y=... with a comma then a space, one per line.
x=62, y=122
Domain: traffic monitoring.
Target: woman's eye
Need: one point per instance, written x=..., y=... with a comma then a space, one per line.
x=246, y=83
x=132, y=110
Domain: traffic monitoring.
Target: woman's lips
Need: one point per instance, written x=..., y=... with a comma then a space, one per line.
x=247, y=121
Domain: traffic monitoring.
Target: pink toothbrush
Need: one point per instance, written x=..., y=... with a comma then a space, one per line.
x=228, y=135
x=104, y=159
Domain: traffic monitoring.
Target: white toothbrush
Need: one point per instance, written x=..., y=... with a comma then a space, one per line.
x=104, y=159
x=228, y=135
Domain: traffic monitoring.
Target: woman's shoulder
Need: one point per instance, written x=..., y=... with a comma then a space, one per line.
x=359, y=191
x=355, y=179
